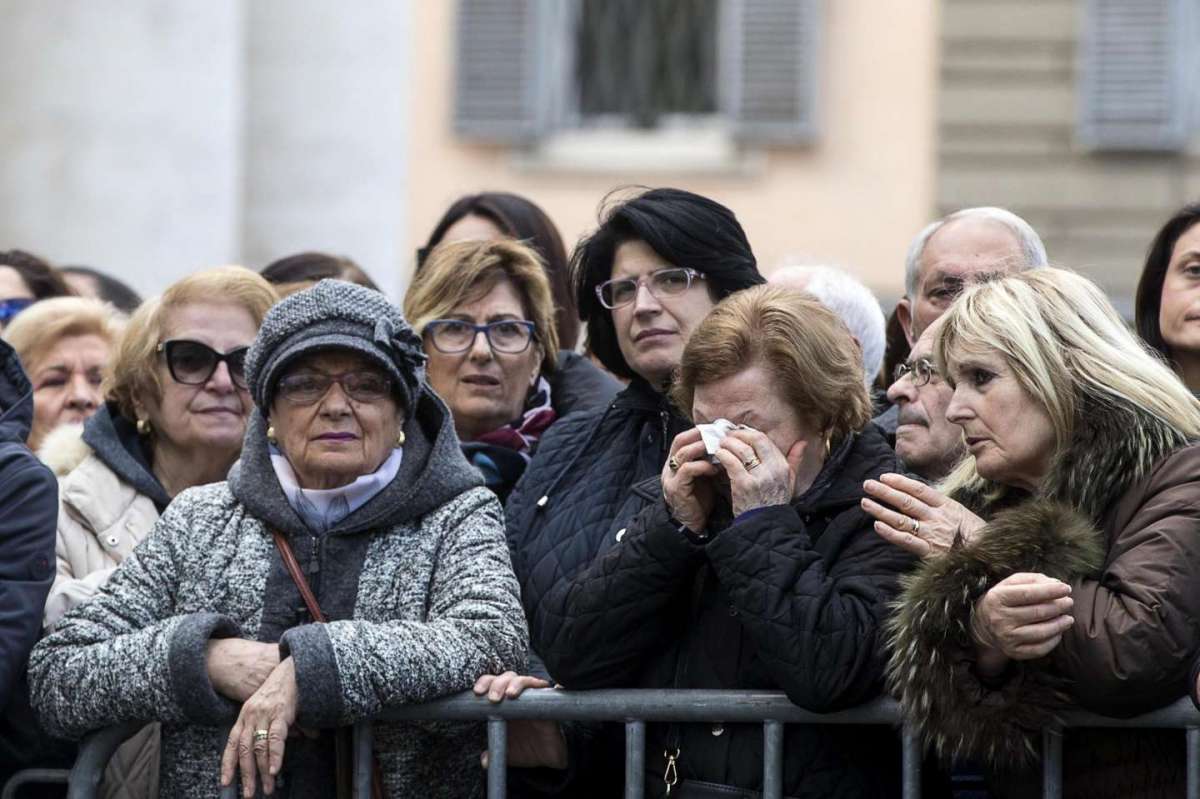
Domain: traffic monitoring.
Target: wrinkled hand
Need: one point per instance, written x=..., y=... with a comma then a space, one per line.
x=941, y=518
x=773, y=480
x=273, y=708
x=237, y=667
x=1022, y=617
x=689, y=492
x=532, y=743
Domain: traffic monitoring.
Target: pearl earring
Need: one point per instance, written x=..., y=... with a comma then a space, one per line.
x=400, y=439
x=143, y=427
x=271, y=434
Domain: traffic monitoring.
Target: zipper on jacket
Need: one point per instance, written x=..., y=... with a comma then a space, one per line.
x=665, y=419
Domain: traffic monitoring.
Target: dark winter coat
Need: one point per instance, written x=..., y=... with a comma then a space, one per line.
x=576, y=496
x=578, y=385
x=416, y=583
x=28, y=520
x=791, y=597
x=1118, y=517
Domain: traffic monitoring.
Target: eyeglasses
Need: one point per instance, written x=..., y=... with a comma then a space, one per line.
x=12, y=307
x=663, y=283
x=193, y=363
x=305, y=388
x=920, y=371
x=456, y=335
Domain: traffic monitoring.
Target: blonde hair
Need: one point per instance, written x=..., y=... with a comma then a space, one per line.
x=134, y=375
x=37, y=329
x=792, y=335
x=455, y=273
x=1065, y=344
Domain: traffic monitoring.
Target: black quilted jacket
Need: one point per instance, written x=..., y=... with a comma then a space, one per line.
x=575, y=496
x=789, y=599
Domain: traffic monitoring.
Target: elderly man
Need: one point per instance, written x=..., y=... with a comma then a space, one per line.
x=951, y=254
x=846, y=296
x=928, y=444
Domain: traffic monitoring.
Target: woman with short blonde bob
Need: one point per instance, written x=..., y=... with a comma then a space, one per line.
x=756, y=567
x=65, y=344
x=174, y=416
x=1062, y=555
x=485, y=314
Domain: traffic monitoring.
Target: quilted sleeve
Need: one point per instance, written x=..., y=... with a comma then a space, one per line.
x=617, y=610
x=474, y=626
x=815, y=619
x=126, y=655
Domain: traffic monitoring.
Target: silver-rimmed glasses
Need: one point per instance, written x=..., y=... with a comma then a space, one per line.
x=920, y=371
x=663, y=283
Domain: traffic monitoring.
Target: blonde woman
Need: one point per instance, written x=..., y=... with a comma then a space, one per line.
x=174, y=417
x=64, y=344
x=485, y=314
x=1062, y=556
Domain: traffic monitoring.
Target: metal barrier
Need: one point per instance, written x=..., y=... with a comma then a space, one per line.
x=636, y=707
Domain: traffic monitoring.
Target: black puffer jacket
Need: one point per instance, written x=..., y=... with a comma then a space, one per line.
x=575, y=496
x=790, y=598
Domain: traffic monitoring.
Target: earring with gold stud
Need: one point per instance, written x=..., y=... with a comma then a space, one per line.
x=143, y=427
x=271, y=434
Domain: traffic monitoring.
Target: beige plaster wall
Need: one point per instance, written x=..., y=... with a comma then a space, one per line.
x=854, y=198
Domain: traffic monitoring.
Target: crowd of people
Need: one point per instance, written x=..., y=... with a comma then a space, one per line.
x=261, y=506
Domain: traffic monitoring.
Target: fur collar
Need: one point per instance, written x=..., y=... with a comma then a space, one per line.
x=1058, y=533
x=63, y=449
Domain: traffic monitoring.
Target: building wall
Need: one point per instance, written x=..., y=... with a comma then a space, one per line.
x=154, y=137
x=1006, y=124
x=854, y=198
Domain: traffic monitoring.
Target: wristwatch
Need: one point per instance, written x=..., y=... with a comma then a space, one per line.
x=701, y=538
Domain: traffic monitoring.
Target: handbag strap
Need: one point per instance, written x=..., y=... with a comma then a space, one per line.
x=345, y=769
x=293, y=567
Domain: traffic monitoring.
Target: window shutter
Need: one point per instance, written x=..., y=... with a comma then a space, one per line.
x=1137, y=80
x=498, y=92
x=770, y=53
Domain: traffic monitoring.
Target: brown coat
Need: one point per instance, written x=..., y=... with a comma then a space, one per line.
x=1118, y=518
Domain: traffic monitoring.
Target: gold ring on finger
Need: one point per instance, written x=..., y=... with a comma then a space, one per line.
x=673, y=463
x=916, y=526
x=261, y=735
x=752, y=464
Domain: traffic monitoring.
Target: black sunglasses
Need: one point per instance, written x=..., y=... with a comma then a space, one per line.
x=193, y=363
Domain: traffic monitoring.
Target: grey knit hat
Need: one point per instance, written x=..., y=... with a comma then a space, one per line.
x=333, y=315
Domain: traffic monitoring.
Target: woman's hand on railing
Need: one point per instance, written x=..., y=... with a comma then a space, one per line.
x=257, y=740
x=918, y=517
x=237, y=667
x=531, y=744
x=1022, y=617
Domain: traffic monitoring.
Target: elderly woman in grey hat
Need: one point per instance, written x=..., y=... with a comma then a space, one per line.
x=351, y=561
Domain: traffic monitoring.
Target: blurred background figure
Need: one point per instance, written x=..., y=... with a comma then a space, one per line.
x=65, y=344
x=88, y=282
x=25, y=279
x=1167, y=310
x=303, y=270
x=485, y=315
x=849, y=299
x=496, y=215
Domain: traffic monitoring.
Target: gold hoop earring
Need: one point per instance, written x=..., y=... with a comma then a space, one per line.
x=143, y=427
x=271, y=434
x=400, y=439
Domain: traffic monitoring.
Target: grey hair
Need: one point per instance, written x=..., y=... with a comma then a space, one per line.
x=852, y=302
x=1031, y=243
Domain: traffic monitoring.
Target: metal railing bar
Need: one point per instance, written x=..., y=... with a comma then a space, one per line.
x=635, y=759
x=497, y=758
x=34, y=776
x=1193, y=763
x=911, y=764
x=772, y=759
x=364, y=742
x=1052, y=753
x=95, y=751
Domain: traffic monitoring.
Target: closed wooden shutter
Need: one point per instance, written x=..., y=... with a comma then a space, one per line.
x=770, y=54
x=498, y=81
x=1137, y=81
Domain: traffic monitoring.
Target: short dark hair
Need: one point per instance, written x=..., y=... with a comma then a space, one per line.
x=1154, y=273
x=521, y=219
x=685, y=229
x=42, y=279
x=113, y=291
x=305, y=267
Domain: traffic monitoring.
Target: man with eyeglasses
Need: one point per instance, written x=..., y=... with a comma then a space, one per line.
x=928, y=444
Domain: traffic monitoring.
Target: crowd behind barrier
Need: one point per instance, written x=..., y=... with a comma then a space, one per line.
x=706, y=496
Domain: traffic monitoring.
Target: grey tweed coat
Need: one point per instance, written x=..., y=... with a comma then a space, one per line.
x=417, y=584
